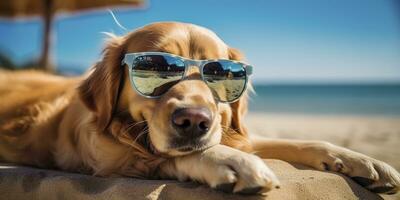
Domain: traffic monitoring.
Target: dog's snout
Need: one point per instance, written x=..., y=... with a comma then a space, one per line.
x=191, y=122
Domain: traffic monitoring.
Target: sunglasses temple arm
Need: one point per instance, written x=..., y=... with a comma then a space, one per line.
x=123, y=61
x=249, y=70
x=128, y=60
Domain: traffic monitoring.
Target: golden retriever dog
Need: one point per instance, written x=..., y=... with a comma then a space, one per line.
x=98, y=123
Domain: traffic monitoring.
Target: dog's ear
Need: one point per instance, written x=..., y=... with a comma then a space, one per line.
x=239, y=108
x=235, y=54
x=99, y=92
x=238, y=138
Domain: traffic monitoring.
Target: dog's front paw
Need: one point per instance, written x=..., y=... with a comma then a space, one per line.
x=373, y=174
x=238, y=173
x=385, y=179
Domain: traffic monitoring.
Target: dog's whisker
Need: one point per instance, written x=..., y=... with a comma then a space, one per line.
x=128, y=138
x=225, y=129
x=132, y=125
x=141, y=134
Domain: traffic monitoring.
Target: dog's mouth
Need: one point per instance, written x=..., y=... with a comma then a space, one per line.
x=192, y=148
x=186, y=149
x=180, y=146
x=187, y=145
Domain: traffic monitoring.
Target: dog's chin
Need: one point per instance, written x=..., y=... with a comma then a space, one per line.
x=180, y=147
x=186, y=150
x=190, y=148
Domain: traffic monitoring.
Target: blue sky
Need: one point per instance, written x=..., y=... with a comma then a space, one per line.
x=287, y=41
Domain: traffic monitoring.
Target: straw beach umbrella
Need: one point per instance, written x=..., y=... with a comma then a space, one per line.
x=47, y=9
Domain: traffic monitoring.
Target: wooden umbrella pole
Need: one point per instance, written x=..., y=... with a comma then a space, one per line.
x=48, y=14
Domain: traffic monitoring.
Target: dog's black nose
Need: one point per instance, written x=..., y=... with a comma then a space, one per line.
x=191, y=122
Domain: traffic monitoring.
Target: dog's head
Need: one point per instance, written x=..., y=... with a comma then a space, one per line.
x=187, y=117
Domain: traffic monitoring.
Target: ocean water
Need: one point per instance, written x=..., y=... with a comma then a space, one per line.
x=327, y=99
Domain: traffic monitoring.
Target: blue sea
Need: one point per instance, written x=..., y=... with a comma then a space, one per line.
x=327, y=99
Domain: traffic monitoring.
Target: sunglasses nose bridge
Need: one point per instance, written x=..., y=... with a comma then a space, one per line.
x=193, y=66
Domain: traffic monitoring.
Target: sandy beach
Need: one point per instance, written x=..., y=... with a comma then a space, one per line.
x=375, y=136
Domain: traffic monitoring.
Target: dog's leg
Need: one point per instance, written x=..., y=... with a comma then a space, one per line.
x=223, y=168
x=373, y=174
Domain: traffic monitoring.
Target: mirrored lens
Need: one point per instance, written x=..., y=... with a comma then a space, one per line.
x=153, y=75
x=226, y=79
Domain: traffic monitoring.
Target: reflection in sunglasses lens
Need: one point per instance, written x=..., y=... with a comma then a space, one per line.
x=153, y=75
x=226, y=79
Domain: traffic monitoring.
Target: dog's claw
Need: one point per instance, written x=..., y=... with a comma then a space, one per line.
x=253, y=190
x=363, y=181
x=226, y=187
x=382, y=189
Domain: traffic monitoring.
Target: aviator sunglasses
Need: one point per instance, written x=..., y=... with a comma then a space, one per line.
x=153, y=73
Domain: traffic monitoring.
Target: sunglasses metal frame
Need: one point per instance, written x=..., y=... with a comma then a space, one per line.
x=130, y=57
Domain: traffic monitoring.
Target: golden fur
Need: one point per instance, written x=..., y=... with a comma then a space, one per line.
x=98, y=124
x=47, y=119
